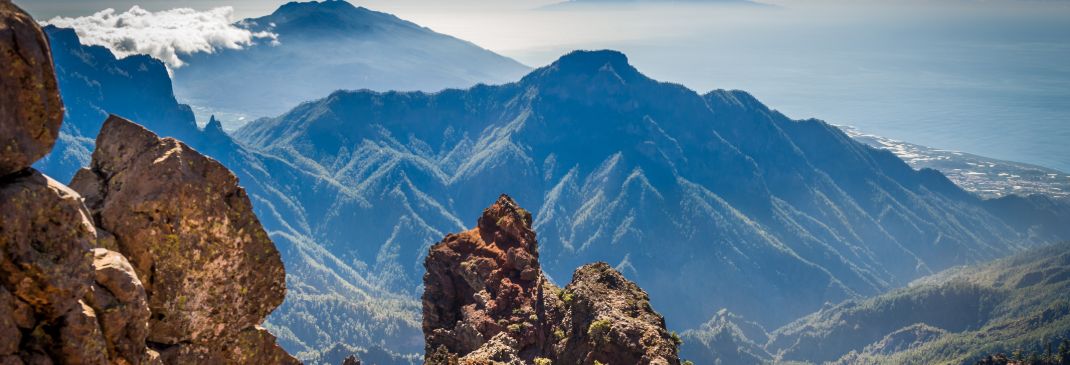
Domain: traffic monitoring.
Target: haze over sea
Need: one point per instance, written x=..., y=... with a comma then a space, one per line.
x=990, y=78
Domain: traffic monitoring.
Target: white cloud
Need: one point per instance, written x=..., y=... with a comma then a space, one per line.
x=167, y=35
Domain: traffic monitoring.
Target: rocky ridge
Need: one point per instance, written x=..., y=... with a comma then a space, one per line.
x=487, y=301
x=170, y=266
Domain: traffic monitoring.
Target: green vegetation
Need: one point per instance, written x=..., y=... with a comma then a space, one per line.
x=564, y=296
x=1047, y=357
x=598, y=330
x=676, y=338
x=1017, y=303
x=559, y=334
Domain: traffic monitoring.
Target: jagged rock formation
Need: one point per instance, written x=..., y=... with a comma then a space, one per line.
x=487, y=301
x=203, y=272
x=30, y=108
x=94, y=83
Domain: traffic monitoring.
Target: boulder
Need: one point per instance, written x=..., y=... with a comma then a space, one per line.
x=47, y=274
x=210, y=272
x=45, y=241
x=30, y=106
x=80, y=339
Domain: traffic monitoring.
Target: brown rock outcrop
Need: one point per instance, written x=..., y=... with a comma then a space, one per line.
x=122, y=308
x=202, y=263
x=30, y=106
x=610, y=319
x=483, y=282
x=45, y=239
x=210, y=271
x=60, y=300
x=486, y=301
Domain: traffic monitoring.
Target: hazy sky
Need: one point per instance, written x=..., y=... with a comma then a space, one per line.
x=987, y=77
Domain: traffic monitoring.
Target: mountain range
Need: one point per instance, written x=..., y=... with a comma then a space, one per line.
x=673, y=187
x=708, y=201
x=324, y=46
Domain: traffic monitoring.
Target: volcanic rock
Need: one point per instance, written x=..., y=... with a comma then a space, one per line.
x=486, y=301
x=610, y=320
x=30, y=106
x=484, y=282
x=45, y=237
x=121, y=306
x=60, y=300
x=209, y=270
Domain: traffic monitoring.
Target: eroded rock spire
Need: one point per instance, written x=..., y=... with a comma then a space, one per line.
x=486, y=300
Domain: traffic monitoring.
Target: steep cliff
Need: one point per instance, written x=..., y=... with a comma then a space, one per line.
x=487, y=301
x=203, y=274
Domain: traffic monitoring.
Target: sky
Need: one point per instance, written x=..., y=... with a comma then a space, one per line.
x=986, y=77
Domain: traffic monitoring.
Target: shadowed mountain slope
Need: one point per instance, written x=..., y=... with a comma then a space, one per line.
x=325, y=46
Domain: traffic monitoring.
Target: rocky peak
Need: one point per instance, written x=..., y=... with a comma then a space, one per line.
x=486, y=301
x=483, y=282
x=507, y=226
x=333, y=18
x=601, y=69
x=214, y=125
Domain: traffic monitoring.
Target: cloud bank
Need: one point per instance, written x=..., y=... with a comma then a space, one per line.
x=167, y=35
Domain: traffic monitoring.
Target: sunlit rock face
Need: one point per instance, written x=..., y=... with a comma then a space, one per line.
x=209, y=269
